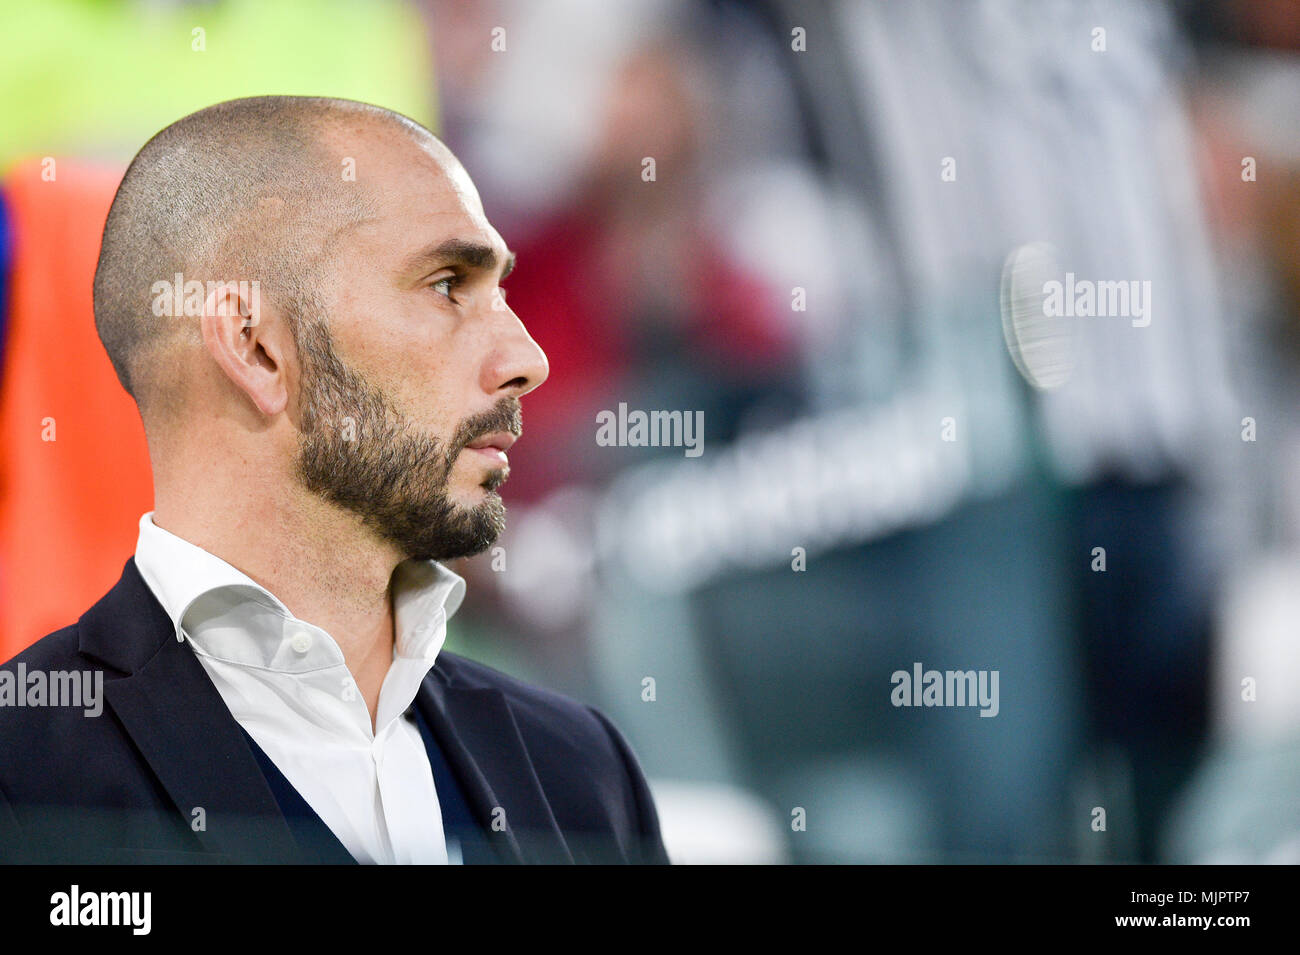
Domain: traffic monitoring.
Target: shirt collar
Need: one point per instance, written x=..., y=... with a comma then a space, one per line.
x=196, y=588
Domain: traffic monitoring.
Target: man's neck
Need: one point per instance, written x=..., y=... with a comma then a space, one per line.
x=321, y=562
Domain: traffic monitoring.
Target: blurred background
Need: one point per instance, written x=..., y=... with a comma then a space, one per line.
x=838, y=255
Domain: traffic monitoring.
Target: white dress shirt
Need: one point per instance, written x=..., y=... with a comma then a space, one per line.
x=285, y=682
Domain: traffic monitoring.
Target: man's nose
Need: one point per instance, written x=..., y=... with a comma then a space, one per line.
x=517, y=364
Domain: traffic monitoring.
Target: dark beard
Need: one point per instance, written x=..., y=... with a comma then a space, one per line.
x=357, y=451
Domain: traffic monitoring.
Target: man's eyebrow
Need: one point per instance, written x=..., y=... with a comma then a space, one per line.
x=463, y=252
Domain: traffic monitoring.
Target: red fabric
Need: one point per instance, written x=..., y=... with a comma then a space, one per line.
x=68, y=507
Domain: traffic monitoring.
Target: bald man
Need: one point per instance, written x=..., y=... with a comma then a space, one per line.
x=303, y=296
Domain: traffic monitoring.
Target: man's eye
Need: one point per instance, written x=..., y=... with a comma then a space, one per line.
x=449, y=282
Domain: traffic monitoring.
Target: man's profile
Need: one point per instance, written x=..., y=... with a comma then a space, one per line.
x=329, y=411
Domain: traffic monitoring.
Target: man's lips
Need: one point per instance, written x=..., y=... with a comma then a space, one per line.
x=493, y=446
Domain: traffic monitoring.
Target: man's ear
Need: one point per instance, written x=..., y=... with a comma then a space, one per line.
x=245, y=345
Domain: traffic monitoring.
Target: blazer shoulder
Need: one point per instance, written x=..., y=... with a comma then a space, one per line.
x=59, y=650
x=53, y=735
x=462, y=672
x=119, y=632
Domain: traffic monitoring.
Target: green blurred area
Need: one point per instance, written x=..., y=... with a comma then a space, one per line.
x=97, y=79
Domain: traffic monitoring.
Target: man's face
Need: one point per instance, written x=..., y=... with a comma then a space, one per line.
x=410, y=400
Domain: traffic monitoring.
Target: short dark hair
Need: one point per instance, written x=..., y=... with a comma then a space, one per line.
x=193, y=201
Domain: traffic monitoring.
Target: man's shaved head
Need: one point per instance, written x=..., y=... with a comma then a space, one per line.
x=370, y=381
x=246, y=190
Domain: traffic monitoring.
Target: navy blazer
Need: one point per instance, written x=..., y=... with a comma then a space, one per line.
x=166, y=775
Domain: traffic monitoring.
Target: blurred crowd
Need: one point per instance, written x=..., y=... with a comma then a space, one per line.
x=801, y=257
x=795, y=218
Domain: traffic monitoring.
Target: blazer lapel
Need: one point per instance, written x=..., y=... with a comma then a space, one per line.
x=478, y=734
x=177, y=719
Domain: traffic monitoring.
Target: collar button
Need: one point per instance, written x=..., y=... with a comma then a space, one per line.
x=301, y=641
